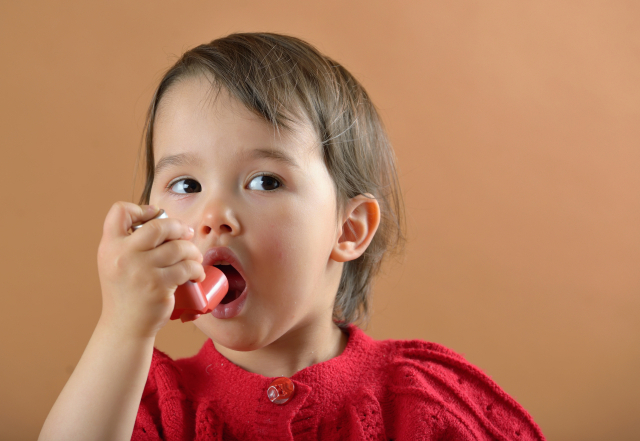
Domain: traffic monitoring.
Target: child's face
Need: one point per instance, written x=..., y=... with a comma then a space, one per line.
x=281, y=228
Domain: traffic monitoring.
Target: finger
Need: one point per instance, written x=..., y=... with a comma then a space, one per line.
x=158, y=231
x=172, y=252
x=122, y=215
x=182, y=272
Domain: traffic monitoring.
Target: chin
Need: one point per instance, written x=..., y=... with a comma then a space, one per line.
x=235, y=336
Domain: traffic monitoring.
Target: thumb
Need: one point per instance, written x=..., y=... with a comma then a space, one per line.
x=123, y=215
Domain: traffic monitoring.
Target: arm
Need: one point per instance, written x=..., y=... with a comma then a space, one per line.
x=138, y=275
x=101, y=398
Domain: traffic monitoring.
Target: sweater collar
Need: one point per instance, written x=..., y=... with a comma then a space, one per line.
x=218, y=364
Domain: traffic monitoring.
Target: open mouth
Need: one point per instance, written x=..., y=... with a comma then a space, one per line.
x=237, y=283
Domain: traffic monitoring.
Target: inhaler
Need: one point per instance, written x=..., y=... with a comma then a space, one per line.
x=195, y=298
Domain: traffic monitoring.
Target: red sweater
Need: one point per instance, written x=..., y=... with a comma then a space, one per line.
x=374, y=390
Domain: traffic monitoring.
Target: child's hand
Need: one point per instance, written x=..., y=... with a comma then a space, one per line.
x=140, y=272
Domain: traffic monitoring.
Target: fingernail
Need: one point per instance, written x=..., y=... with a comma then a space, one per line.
x=152, y=209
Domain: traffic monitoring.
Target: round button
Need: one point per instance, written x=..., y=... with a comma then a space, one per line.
x=280, y=390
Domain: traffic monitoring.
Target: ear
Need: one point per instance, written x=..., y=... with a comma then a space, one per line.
x=359, y=224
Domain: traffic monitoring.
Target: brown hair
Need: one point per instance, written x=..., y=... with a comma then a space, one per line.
x=273, y=75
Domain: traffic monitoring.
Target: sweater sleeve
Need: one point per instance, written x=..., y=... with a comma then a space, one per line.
x=148, y=426
x=164, y=412
x=438, y=395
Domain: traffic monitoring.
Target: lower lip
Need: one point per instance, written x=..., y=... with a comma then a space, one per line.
x=231, y=309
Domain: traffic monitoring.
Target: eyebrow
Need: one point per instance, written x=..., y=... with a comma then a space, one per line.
x=178, y=160
x=275, y=155
x=193, y=159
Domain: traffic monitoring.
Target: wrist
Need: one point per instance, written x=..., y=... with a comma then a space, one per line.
x=123, y=331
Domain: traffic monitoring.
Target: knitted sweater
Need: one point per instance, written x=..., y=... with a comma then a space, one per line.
x=374, y=390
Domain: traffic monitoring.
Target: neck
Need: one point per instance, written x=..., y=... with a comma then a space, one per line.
x=292, y=352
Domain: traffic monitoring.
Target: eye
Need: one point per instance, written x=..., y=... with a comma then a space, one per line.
x=264, y=183
x=184, y=186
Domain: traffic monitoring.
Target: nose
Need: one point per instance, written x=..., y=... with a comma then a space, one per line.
x=219, y=221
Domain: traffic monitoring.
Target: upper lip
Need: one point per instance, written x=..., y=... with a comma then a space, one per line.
x=223, y=253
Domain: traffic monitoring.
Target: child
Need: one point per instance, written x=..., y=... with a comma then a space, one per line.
x=272, y=164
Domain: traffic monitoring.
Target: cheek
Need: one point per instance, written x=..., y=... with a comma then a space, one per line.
x=296, y=239
x=279, y=241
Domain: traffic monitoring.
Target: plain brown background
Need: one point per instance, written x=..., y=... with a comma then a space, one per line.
x=517, y=128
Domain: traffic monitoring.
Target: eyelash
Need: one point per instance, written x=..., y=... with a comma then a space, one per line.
x=183, y=178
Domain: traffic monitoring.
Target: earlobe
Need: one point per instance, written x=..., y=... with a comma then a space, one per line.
x=360, y=222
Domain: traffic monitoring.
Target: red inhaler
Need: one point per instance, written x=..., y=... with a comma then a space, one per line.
x=195, y=298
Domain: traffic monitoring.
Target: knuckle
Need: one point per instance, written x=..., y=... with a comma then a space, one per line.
x=178, y=274
x=119, y=263
x=109, y=257
x=115, y=214
x=166, y=278
x=191, y=270
x=188, y=249
x=120, y=206
x=181, y=248
x=177, y=225
x=194, y=251
x=154, y=228
x=112, y=215
x=195, y=270
x=187, y=269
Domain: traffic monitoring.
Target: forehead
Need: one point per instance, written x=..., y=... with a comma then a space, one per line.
x=193, y=114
